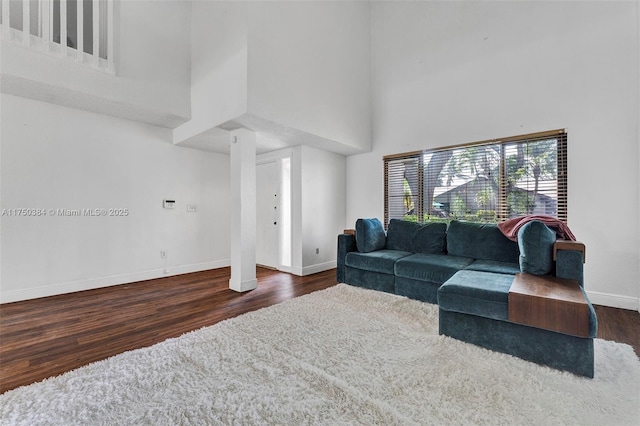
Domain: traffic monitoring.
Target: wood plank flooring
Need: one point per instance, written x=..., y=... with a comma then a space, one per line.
x=619, y=325
x=45, y=337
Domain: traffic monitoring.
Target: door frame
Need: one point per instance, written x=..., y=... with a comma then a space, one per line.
x=277, y=184
x=278, y=157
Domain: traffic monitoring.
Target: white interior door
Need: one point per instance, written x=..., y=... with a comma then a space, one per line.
x=267, y=215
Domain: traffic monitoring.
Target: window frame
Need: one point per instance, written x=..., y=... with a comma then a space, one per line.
x=502, y=212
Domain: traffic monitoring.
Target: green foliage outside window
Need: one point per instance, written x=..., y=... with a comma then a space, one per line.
x=488, y=182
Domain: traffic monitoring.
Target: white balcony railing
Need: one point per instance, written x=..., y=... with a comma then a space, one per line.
x=81, y=30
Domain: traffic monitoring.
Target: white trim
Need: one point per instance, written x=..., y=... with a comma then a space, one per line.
x=278, y=157
x=319, y=267
x=96, y=33
x=291, y=270
x=277, y=264
x=274, y=155
x=45, y=22
x=80, y=31
x=110, y=38
x=6, y=20
x=614, y=300
x=242, y=286
x=26, y=22
x=285, y=230
x=63, y=28
x=73, y=286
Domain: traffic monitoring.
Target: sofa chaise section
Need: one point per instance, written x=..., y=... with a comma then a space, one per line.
x=474, y=306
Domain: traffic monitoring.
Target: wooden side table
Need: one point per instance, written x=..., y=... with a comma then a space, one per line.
x=549, y=303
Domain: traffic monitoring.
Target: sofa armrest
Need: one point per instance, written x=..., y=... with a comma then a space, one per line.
x=569, y=257
x=346, y=244
x=569, y=245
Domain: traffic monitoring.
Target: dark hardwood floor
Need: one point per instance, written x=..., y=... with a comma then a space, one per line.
x=619, y=325
x=45, y=337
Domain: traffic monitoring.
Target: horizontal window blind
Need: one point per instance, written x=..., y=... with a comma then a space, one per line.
x=488, y=181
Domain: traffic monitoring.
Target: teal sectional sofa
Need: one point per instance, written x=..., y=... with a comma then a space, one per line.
x=467, y=269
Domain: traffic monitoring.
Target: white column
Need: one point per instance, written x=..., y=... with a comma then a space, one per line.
x=243, y=211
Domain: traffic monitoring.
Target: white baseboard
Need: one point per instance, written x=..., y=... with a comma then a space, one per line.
x=308, y=270
x=242, y=286
x=614, y=300
x=291, y=270
x=313, y=269
x=73, y=286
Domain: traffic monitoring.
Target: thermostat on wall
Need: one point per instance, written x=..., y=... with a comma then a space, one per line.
x=169, y=204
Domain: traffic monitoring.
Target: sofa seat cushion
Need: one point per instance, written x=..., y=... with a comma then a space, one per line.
x=371, y=280
x=435, y=268
x=494, y=266
x=485, y=294
x=376, y=261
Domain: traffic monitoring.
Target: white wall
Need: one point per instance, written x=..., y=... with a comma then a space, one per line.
x=152, y=54
x=58, y=157
x=153, y=49
x=318, y=206
x=309, y=68
x=323, y=207
x=453, y=72
x=295, y=72
x=218, y=66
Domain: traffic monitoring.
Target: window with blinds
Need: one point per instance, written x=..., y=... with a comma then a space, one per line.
x=488, y=181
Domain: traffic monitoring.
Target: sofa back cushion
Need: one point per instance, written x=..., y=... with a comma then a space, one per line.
x=536, y=241
x=428, y=238
x=400, y=234
x=370, y=235
x=431, y=238
x=480, y=241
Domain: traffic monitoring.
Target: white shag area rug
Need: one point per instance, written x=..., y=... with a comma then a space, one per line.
x=344, y=355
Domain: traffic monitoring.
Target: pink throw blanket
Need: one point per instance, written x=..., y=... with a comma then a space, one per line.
x=511, y=227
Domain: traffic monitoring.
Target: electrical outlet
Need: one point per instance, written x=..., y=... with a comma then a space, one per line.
x=317, y=251
x=163, y=254
x=192, y=208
